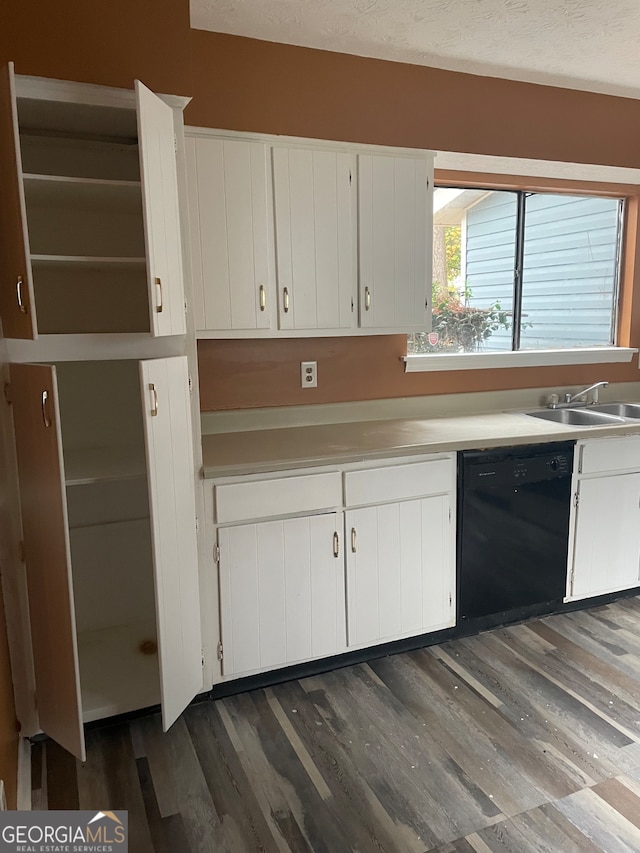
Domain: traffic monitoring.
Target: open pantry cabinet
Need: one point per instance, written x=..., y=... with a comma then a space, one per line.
x=105, y=464
x=89, y=215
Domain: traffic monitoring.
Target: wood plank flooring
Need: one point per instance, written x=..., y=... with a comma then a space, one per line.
x=520, y=740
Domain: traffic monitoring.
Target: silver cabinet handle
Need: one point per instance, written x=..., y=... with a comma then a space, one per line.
x=21, y=305
x=46, y=419
x=354, y=540
x=285, y=300
x=367, y=299
x=154, y=408
x=263, y=298
x=160, y=304
x=336, y=545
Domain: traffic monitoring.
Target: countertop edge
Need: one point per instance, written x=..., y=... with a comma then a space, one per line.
x=500, y=427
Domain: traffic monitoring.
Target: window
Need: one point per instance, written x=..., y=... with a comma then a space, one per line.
x=519, y=270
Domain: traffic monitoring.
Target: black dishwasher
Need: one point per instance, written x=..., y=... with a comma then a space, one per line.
x=513, y=528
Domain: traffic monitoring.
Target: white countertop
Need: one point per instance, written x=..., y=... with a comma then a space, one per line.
x=259, y=451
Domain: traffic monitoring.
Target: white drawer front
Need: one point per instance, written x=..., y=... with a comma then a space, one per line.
x=610, y=454
x=399, y=482
x=277, y=496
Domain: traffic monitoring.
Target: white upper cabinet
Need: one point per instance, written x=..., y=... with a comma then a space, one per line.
x=315, y=237
x=16, y=286
x=90, y=220
x=293, y=240
x=159, y=175
x=230, y=224
x=394, y=241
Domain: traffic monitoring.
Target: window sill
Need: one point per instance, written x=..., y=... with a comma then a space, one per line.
x=423, y=362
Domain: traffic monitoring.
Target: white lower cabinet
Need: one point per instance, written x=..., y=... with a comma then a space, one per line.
x=371, y=560
x=282, y=592
x=400, y=570
x=604, y=553
x=105, y=464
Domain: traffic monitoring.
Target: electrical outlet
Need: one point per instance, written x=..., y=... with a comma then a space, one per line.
x=309, y=374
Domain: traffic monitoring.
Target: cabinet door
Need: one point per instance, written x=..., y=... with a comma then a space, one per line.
x=230, y=234
x=156, y=138
x=16, y=286
x=394, y=241
x=171, y=477
x=47, y=553
x=400, y=570
x=281, y=592
x=607, y=536
x=315, y=245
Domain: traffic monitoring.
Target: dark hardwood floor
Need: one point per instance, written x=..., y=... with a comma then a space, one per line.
x=518, y=740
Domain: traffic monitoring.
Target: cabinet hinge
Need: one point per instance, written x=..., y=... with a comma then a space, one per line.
x=576, y=499
x=449, y=513
x=203, y=657
x=175, y=144
x=216, y=554
x=572, y=579
x=428, y=182
x=352, y=303
x=197, y=524
x=186, y=307
x=7, y=387
x=349, y=177
x=220, y=652
x=190, y=384
x=450, y=599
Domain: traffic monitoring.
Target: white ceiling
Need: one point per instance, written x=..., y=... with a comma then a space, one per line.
x=581, y=44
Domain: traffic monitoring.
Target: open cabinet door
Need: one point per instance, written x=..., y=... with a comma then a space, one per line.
x=34, y=396
x=157, y=141
x=170, y=470
x=16, y=286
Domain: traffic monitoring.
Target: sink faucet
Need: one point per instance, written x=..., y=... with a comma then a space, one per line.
x=568, y=399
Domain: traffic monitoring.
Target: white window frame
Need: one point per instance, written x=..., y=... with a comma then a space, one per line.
x=529, y=169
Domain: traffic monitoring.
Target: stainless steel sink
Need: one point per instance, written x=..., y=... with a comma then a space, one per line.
x=623, y=410
x=579, y=417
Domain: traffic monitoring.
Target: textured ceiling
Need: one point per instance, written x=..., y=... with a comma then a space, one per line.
x=583, y=44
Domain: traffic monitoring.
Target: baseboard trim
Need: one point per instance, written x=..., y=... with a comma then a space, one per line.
x=24, y=774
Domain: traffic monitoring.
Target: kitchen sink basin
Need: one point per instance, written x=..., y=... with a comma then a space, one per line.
x=623, y=410
x=578, y=417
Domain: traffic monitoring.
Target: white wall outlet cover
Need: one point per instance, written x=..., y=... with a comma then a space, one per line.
x=309, y=374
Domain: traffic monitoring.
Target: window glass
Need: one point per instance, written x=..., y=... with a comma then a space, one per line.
x=569, y=271
x=567, y=247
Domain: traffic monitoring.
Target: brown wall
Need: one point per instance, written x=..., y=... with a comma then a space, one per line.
x=110, y=43
x=244, y=84
x=249, y=374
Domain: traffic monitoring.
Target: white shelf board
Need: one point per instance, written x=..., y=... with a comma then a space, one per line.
x=95, y=347
x=58, y=191
x=115, y=676
x=82, y=262
x=95, y=465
